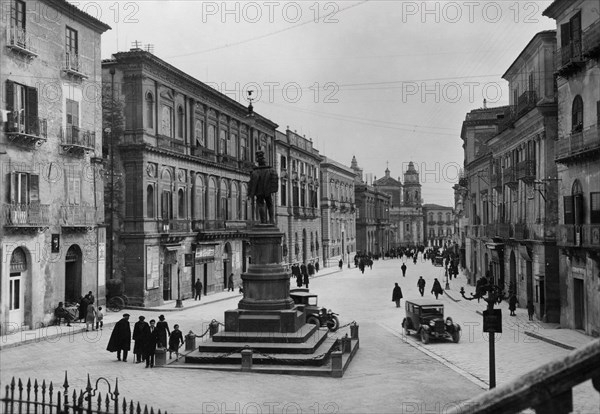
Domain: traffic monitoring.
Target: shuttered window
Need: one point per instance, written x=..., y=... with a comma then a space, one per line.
x=595, y=208
x=568, y=206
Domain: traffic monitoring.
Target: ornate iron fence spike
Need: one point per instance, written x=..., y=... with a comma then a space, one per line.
x=145, y=409
x=88, y=388
x=66, y=383
x=116, y=393
x=99, y=403
x=58, y=401
x=139, y=408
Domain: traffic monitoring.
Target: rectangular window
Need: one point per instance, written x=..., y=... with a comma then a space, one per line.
x=210, y=143
x=19, y=15
x=283, y=194
x=595, y=208
x=72, y=111
x=24, y=188
x=244, y=148
x=568, y=207
x=71, y=46
x=167, y=121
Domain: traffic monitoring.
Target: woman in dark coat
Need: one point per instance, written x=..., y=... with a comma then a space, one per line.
x=120, y=339
x=163, y=331
x=437, y=288
x=83, y=305
x=397, y=295
x=512, y=304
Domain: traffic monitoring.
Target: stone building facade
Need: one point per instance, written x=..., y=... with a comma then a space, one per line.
x=578, y=162
x=180, y=205
x=51, y=231
x=298, y=199
x=338, y=212
x=513, y=186
x=372, y=215
x=438, y=225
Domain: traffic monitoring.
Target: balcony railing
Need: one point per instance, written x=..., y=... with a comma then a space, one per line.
x=521, y=231
x=578, y=145
x=30, y=131
x=546, y=389
x=74, y=66
x=583, y=235
x=504, y=230
x=26, y=215
x=18, y=40
x=79, y=216
x=569, y=59
x=77, y=140
x=591, y=40
x=526, y=171
x=496, y=181
x=175, y=226
x=509, y=176
x=526, y=102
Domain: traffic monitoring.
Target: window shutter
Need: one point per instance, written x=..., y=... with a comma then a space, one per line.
x=565, y=34
x=578, y=209
x=70, y=190
x=594, y=208
x=10, y=105
x=34, y=188
x=568, y=205
x=12, y=186
x=32, y=105
x=76, y=191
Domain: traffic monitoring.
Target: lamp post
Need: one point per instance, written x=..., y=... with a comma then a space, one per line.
x=492, y=319
x=179, y=302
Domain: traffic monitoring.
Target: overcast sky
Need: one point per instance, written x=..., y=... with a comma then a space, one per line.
x=386, y=81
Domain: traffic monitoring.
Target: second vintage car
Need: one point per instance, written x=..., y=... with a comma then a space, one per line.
x=307, y=302
x=425, y=317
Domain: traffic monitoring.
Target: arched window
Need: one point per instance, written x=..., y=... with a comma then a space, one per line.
x=150, y=201
x=224, y=213
x=212, y=199
x=244, y=204
x=577, y=114
x=180, y=122
x=234, y=202
x=222, y=142
x=210, y=142
x=167, y=121
x=181, y=203
x=149, y=110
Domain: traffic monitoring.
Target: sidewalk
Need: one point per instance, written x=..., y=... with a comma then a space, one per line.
x=11, y=338
x=551, y=333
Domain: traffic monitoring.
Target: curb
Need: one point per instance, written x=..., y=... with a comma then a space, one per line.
x=550, y=341
x=195, y=305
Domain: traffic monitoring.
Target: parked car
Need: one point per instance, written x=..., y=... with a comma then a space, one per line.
x=425, y=317
x=438, y=261
x=308, y=303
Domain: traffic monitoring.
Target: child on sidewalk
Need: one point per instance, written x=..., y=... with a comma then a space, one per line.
x=530, y=309
x=99, y=318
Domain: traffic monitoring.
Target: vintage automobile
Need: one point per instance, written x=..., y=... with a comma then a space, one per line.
x=308, y=302
x=425, y=317
x=438, y=261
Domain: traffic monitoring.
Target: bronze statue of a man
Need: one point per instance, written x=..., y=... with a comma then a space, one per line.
x=263, y=182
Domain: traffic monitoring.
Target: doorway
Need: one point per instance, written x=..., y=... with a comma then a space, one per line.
x=167, y=281
x=226, y=264
x=73, y=286
x=16, y=287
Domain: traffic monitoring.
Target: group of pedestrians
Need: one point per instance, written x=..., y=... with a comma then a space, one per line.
x=148, y=338
x=304, y=272
x=87, y=313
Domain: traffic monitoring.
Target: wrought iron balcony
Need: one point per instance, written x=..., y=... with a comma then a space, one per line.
x=74, y=66
x=582, y=235
x=569, y=59
x=526, y=171
x=591, y=40
x=510, y=177
x=79, y=217
x=504, y=230
x=26, y=216
x=521, y=231
x=19, y=41
x=578, y=146
x=491, y=230
x=496, y=181
x=77, y=141
x=526, y=102
x=27, y=131
x=174, y=226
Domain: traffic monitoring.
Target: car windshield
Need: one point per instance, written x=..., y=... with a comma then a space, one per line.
x=312, y=300
x=432, y=310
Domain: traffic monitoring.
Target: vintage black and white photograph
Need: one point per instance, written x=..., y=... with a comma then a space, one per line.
x=310, y=206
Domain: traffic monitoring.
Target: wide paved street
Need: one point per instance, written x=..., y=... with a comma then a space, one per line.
x=390, y=373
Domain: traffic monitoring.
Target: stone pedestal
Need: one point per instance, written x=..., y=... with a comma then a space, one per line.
x=266, y=306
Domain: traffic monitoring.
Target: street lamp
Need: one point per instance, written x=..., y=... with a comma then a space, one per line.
x=492, y=318
x=179, y=302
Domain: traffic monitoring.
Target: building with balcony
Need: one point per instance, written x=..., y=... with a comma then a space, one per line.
x=513, y=185
x=51, y=227
x=298, y=199
x=338, y=212
x=372, y=215
x=578, y=162
x=438, y=225
x=180, y=170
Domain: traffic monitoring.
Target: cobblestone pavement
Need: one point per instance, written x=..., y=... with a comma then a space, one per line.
x=390, y=373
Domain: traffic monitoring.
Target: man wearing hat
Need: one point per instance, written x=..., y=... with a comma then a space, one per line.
x=120, y=339
x=139, y=329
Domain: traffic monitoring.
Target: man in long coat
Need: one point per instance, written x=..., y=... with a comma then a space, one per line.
x=397, y=295
x=138, y=331
x=149, y=341
x=437, y=288
x=120, y=339
x=263, y=182
x=403, y=267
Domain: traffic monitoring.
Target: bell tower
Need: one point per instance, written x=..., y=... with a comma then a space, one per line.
x=412, y=187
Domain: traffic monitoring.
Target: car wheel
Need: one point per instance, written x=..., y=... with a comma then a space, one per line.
x=313, y=320
x=333, y=324
x=456, y=337
x=405, y=326
x=424, y=336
